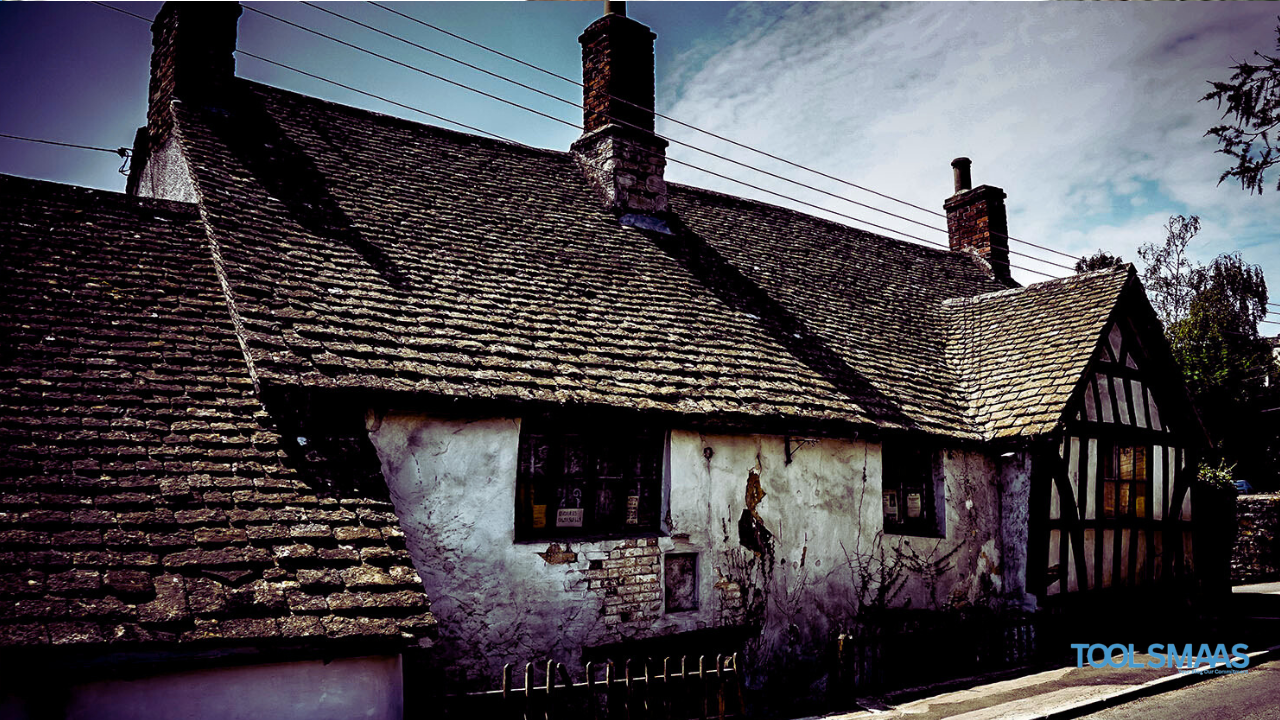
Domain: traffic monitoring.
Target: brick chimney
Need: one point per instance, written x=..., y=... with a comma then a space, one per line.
x=618, y=152
x=192, y=59
x=976, y=220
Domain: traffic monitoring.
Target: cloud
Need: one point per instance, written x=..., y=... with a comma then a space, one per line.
x=1087, y=115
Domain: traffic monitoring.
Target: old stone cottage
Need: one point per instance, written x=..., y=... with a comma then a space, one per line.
x=612, y=414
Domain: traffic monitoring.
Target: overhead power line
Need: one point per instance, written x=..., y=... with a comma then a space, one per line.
x=709, y=133
x=668, y=159
x=633, y=126
x=124, y=151
x=121, y=151
x=579, y=127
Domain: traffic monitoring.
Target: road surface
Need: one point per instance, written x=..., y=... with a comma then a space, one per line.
x=1252, y=695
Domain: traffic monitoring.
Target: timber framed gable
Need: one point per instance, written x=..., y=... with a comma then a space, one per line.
x=1113, y=488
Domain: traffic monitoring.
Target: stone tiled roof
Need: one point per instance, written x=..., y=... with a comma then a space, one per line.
x=364, y=251
x=1021, y=352
x=145, y=499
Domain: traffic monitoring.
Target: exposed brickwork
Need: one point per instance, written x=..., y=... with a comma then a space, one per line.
x=193, y=46
x=1256, y=557
x=629, y=578
x=976, y=221
x=732, y=610
x=617, y=73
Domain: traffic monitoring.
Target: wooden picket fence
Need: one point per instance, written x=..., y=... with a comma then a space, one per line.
x=639, y=690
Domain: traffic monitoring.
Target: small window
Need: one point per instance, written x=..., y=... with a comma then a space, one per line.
x=680, y=576
x=911, y=492
x=587, y=478
x=1124, y=480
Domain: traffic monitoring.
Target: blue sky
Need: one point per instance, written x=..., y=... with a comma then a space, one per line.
x=1085, y=113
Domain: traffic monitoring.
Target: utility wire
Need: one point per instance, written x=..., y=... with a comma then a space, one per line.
x=579, y=127
x=122, y=152
x=375, y=96
x=124, y=12
x=644, y=130
x=704, y=132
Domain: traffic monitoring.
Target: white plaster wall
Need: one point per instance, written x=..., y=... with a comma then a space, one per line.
x=368, y=687
x=453, y=482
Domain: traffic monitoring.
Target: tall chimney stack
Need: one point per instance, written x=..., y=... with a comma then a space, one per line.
x=193, y=57
x=976, y=220
x=618, y=151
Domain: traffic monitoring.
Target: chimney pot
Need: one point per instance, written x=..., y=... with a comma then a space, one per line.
x=960, y=171
x=615, y=7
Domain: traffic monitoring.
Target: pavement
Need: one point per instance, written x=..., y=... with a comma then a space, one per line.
x=1070, y=692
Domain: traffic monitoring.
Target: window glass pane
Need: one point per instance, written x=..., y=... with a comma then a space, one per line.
x=908, y=489
x=1126, y=463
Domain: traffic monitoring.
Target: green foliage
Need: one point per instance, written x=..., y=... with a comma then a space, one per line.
x=1252, y=100
x=1221, y=477
x=1100, y=260
x=1211, y=314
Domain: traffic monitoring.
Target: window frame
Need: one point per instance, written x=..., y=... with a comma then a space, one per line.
x=1122, y=491
x=908, y=465
x=564, y=455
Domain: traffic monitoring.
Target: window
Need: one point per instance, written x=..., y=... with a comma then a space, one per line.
x=583, y=478
x=680, y=577
x=911, y=492
x=1124, y=480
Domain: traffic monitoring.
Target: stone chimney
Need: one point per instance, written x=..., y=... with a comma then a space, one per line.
x=618, y=151
x=192, y=57
x=976, y=220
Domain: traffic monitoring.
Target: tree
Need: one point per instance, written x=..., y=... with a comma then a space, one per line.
x=1168, y=272
x=1252, y=100
x=1100, y=260
x=1211, y=314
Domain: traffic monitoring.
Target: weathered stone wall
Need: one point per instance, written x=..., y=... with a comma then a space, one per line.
x=1256, y=557
x=795, y=549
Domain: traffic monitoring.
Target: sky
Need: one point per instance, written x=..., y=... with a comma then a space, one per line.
x=1086, y=114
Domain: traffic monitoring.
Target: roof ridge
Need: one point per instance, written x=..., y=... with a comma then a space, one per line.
x=149, y=203
x=1043, y=284
x=827, y=221
x=374, y=114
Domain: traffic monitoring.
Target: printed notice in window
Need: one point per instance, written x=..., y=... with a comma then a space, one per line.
x=913, y=505
x=570, y=517
x=891, y=505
